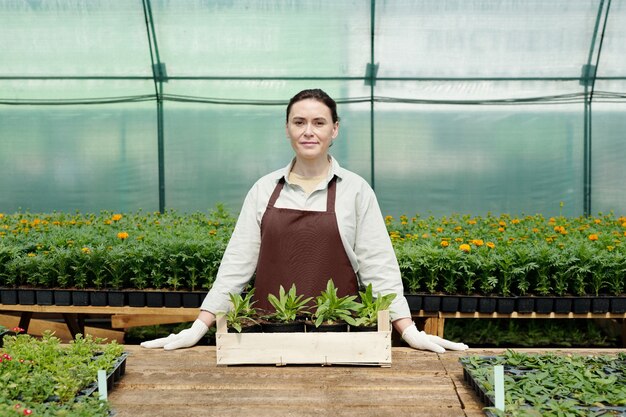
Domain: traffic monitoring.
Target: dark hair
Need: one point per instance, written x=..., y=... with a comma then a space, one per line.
x=315, y=94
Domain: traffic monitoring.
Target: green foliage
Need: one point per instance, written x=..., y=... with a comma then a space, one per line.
x=367, y=310
x=242, y=312
x=288, y=305
x=45, y=377
x=553, y=384
x=331, y=309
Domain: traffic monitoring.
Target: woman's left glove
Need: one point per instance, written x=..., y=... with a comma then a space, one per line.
x=186, y=338
x=423, y=341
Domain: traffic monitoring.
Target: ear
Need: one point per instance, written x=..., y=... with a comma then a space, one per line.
x=335, y=130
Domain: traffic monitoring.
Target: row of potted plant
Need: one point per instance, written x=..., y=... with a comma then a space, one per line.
x=293, y=312
x=551, y=384
x=41, y=377
x=459, y=254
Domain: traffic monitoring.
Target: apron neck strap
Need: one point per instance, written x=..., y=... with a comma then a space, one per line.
x=330, y=195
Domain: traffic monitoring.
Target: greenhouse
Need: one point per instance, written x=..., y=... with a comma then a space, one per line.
x=488, y=207
x=446, y=106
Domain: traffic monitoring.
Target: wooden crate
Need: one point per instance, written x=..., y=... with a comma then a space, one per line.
x=350, y=348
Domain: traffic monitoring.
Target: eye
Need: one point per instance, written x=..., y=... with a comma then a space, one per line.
x=298, y=122
x=320, y=123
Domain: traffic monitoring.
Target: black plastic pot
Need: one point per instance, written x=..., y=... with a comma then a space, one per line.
x=116, y=298
x=192, y=299
x=154, y=299
x=581, y=305
x=431, y=303
x=98, y=298
x=26, y=297
x=563, y=305
x=172, y=299
x=449, y=303
x=293, y=327
x=525, y=305
x=468, y=304
x=337, y=327
x=136, y=298
x=487, y=305
x=254, y=328
x=44, y=297
x=8, y=296
x=62, y=297
x=415, y=302
x=80, y=298
x=544, y=305
x=618, y=305
x=373, y=328
x=505, y=305
x=600, y=305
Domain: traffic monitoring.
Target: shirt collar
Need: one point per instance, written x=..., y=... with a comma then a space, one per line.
x=335, y=169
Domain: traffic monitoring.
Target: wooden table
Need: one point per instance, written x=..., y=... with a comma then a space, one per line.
x=188, y=382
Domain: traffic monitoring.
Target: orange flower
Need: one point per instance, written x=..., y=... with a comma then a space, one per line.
x=515, y=221
x=425, y=235
x=444, y=243
x=597, y=221
x=471, y=222
x=465, y=247
x=491, y=245
x=122, y=235
x=478, y=242
x=624, y=224
x=500, y=229
x=116, y=217
x=593, y=237
x=439, y=229
x=502, y=223
x=552, y=220
x=535, y=230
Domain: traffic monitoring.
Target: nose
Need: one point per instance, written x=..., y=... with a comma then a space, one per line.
x=308, y=129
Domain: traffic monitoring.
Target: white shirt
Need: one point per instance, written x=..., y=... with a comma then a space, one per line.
x=361, y=226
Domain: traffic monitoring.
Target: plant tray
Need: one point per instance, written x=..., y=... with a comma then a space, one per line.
x=350, y=348
x=488, y=399
x=113, y=377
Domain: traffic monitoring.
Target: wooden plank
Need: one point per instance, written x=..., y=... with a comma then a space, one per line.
x=124, y=321
x=179, y=311
x=37, y=327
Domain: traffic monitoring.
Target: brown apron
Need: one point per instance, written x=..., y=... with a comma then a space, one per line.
x=303, y=248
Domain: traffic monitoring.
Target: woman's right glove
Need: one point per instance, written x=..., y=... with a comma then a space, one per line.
x=424, y=341
x=186, y=338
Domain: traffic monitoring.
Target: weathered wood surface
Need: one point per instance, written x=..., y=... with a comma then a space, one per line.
x=189, y=383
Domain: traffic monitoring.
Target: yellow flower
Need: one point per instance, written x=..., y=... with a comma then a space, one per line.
x=491, y=245
x=465, y=247
x=471, y=222
x=212, y=232
x=593, y=237
x=535, y=230
x=502, y=223
x=122, y=235
x=552, y=220
x=624, y=224
x=439, y=229
x=500, y=229
x=515, y=221
x=610, y=248
x=444, y=243
x=403, y=222
x=425, y=236
x=478, y=242
x=458, y=228
x=1, y=215
x=388, y=219
x=597, y=221
x=458, y=239
x=116, y=217
x=107, y=221
x=31, y=254
x=23, y=221
x=86, y=250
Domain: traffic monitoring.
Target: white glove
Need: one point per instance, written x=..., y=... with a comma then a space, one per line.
x=423, y=341
x=185, y=338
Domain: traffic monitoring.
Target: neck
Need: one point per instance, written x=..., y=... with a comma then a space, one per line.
x=311, y=167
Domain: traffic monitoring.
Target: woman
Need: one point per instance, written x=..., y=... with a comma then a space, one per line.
x=304, y=224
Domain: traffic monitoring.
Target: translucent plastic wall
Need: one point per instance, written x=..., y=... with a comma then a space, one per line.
x=446, y=106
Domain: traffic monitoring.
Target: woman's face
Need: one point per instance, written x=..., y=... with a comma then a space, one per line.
x=311, y=129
